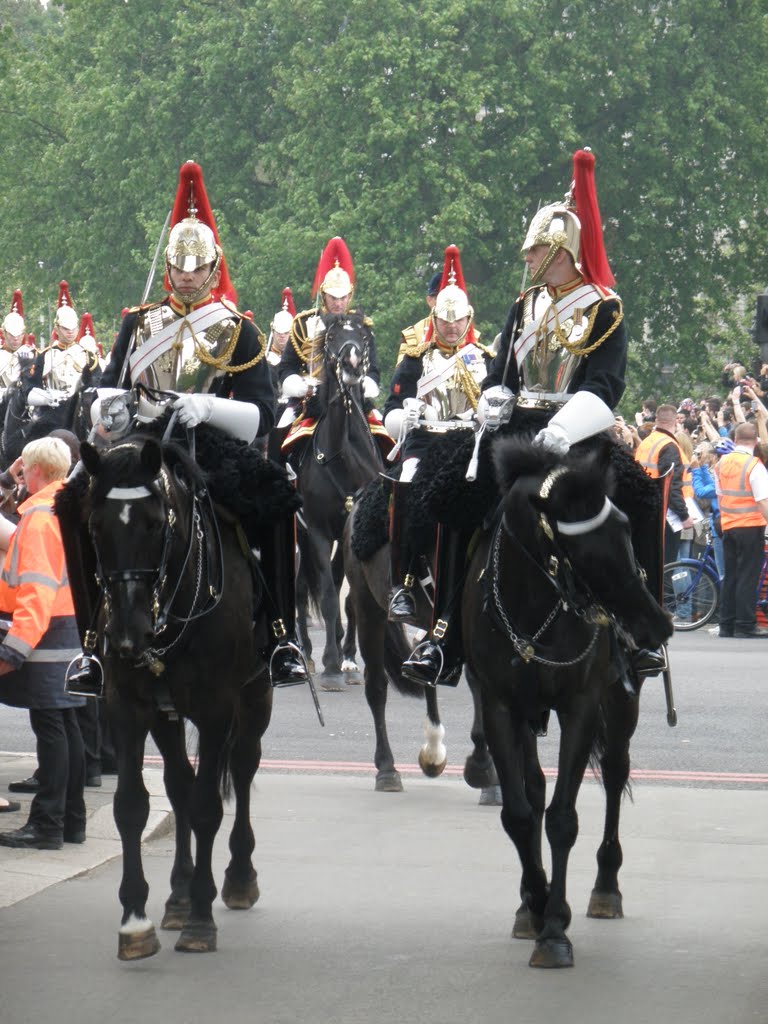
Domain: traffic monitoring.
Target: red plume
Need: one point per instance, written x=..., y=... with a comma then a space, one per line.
x=248, y=314
x=17, y=306
x=86, y=327
x=335, y=252
x=288, y=301
x=594, y=262
x=192, y=201
x=452, y=274
x=64, y=297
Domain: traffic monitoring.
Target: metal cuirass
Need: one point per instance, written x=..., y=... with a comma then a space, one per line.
x=549, y=367
x=180, y=368
x=63, y=367
x=9, y=368
x=457, y=376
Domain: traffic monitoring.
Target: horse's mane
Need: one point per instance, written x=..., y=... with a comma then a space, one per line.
x=589, y=473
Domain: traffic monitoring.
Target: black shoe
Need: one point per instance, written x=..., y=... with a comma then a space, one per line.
x=727, y=634
x=749, y=634
x=28, y=837
x=85, y=677
x=402, y=607
x=30, y=785
x=287, y=666
x=647, y=663
x=428, y=666
x=94, y=781
x=74, y=835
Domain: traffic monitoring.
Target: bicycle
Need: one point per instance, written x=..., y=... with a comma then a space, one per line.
x=692, y=589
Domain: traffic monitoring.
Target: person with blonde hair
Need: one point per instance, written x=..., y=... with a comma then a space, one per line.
x=39, y=640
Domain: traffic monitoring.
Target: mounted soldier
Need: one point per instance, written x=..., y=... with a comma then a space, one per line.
x=436, y=384
x=301, y=367
x=17, y=348
x=66, y=365
x=558, y=374
x=196, y=354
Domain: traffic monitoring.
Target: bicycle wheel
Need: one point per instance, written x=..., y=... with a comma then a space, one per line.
x=691, y=595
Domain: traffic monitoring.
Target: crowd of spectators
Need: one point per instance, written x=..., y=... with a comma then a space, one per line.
x=705, y=431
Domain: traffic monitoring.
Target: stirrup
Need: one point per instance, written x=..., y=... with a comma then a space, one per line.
x=648, y=663
x=301, y=673
x=84, y=677
x=402, y=606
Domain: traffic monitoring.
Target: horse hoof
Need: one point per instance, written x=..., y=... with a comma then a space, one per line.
x=197, y=937
x=240, y=895
x=430, y=769
x=606, y=905
x=137, y=945
x=333, y=683
x=552, y=953
x=490, y=797
x=389, y=782
x=349, y=665
x=479, y=775
x=176, y=915
x=527, y=925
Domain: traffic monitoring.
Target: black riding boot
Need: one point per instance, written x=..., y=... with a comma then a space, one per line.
x=284, y=656
x=402, y=604
x=439, y=659
x=648, y=545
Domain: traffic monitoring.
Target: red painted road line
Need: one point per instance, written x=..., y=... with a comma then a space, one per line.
x=355, y=767
x=365, y=768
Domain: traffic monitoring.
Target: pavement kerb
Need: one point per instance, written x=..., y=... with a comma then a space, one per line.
x=24, y=873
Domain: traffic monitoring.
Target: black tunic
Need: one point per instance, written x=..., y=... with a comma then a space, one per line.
x=602, y=372
x=253, y=385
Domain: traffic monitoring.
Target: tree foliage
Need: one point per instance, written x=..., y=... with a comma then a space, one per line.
x=403, y=127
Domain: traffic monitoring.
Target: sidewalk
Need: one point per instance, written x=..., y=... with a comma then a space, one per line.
x=24, y=873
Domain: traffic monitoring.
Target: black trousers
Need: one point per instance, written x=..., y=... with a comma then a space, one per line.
x=90, y=729
x=743, y=554
x=59, y=802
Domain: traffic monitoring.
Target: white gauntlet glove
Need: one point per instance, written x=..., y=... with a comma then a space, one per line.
x=370, y=388
x=582, y=416
x=492, y=405
x=296, y=386
x=553, y=439
x=44, y=396
x=238, y=419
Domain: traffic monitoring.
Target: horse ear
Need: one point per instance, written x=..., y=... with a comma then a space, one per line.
x=151, y=458
x=91, y=458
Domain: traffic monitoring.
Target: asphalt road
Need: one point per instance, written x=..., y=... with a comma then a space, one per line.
x=720, y=693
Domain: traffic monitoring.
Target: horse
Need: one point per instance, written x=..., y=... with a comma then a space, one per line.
x=174, y=617
x=338, y=459
x=384, y=647
x=538, y=638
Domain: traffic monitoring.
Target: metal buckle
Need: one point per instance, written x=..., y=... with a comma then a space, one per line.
x=439, y=629
x=278, y=629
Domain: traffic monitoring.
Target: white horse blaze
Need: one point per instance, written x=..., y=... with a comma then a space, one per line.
x=136, y=925
x=434, y=749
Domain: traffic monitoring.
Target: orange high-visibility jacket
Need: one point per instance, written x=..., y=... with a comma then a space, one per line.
x=647, y=453
x=33, y=586
x=737, y=502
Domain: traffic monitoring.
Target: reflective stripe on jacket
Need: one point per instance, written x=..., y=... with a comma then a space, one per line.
x=737, y=502
x=648, y=451
x=33, y=584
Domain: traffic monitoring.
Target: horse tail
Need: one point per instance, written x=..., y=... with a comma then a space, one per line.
x=309, y=570
x=396, y=650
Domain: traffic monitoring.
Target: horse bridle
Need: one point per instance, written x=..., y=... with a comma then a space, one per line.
x=559, y=574
x=162, y=614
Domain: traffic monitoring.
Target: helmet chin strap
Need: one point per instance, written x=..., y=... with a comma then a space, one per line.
x=441, y=339
x=545, y=264
x=202, y=292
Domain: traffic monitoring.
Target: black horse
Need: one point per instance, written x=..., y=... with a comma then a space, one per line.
x=174, y=617
x=537, y=637
x=338, y=459
x=384, y=648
